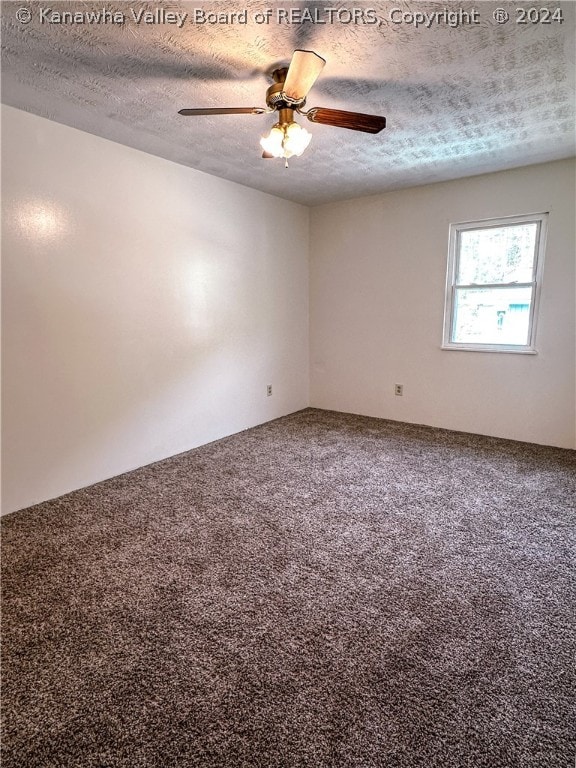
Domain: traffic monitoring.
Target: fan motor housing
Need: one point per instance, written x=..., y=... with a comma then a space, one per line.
x=275, y=98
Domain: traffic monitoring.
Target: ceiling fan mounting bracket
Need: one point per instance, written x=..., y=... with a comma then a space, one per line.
x=279, y=75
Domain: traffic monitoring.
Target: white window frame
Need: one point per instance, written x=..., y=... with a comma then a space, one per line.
x=541, y=219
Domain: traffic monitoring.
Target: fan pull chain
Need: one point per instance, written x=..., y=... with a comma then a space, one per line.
x=285, y=162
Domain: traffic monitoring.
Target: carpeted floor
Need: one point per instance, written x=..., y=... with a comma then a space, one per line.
x=322, y=590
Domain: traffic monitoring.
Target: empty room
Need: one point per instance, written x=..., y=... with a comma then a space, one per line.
x=288, y=384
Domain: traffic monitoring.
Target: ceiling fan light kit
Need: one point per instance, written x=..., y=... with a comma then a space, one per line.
x=287, y=95
x=286, y=138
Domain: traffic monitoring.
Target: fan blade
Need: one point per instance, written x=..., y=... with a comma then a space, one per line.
x=302, y=73
x=224, y=111
x=267, y=156
x=355, y=121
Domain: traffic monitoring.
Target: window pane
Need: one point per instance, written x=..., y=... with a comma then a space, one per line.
x=497, y=255
x=491, y=315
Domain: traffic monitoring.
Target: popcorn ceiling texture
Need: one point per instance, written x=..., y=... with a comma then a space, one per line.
x=322, y=591
x=459, y=101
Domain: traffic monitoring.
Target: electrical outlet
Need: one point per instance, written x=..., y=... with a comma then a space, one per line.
x=269, y=390
x=399, y=389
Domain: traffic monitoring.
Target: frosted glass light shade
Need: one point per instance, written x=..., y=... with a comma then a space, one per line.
x=297, y=139
x=273, y=143
x=286, y=140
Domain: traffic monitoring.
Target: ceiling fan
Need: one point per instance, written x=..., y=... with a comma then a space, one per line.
x=287, y=95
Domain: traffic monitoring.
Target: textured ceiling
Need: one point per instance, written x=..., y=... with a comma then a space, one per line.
x=459, y=100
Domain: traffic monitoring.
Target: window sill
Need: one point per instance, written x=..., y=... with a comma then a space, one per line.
x=489, y=348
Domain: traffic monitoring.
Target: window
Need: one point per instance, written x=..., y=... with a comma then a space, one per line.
x=494, y=272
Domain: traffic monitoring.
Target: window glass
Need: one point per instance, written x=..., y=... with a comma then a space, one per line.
x=497, y=254
x=492, y=315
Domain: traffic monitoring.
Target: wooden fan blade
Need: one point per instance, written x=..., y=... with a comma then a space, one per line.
x=355, y=121
x=223, y=111
x=302, y=73
x=267, y=156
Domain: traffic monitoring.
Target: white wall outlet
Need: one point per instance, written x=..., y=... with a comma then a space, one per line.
x=269, y=390
x=399, y=389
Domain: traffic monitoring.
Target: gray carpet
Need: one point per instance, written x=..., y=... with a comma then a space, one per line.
x=322, y=590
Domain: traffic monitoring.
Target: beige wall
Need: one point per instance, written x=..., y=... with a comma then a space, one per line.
x=378, y=270
x=146, y=306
